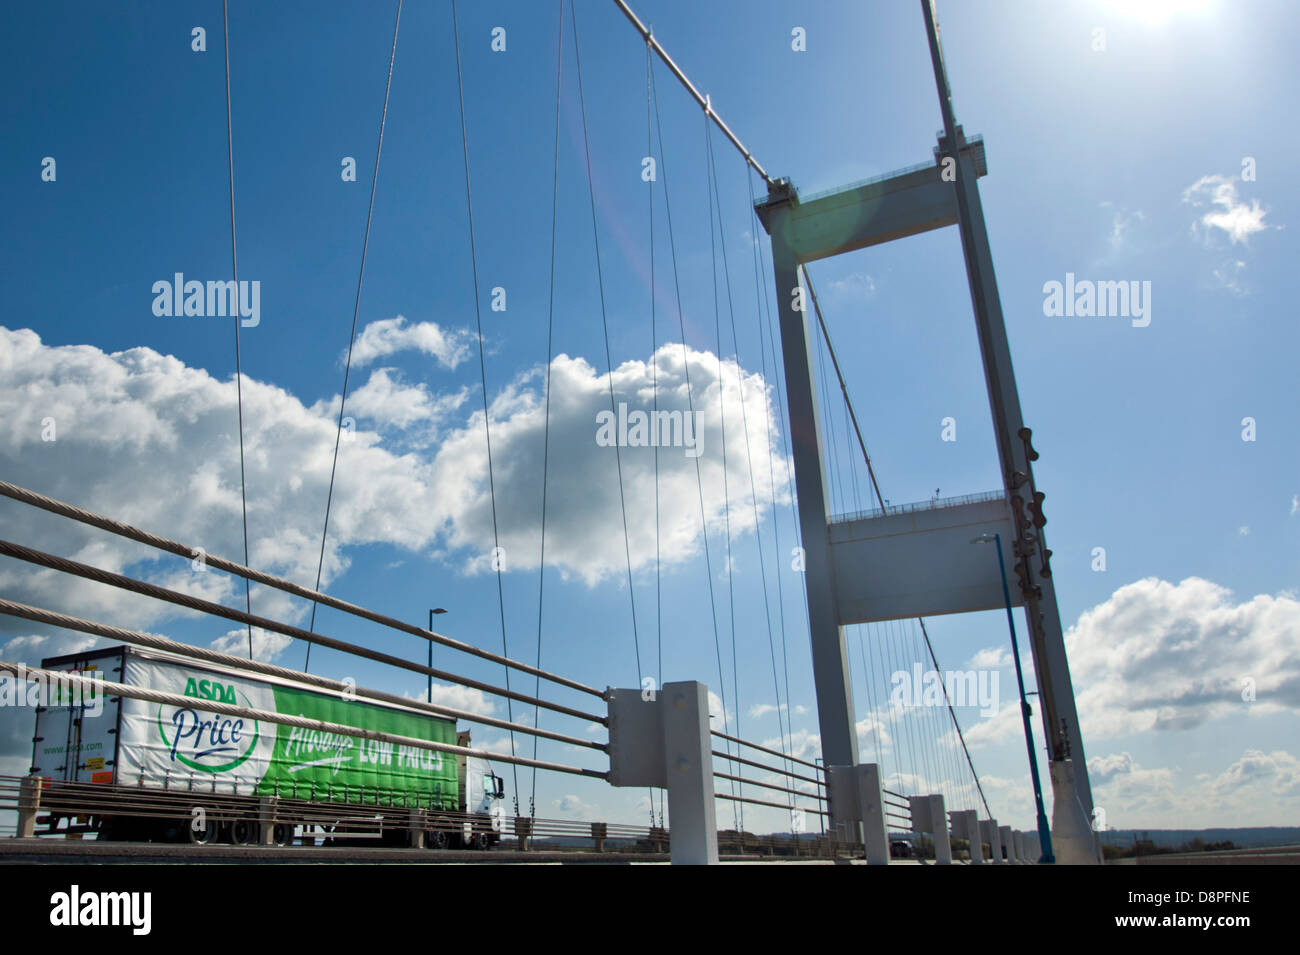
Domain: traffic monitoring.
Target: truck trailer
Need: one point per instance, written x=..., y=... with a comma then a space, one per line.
x=127, y=769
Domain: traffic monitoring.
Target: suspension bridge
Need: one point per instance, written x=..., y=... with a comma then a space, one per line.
x=867, y=563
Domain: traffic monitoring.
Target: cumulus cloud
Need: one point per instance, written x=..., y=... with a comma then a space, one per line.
x=1000, y=727
x=1160, y=656
x=991, y=658
x=151, y=441
x=464, y=698
x=571, y=805
x=584, y=523
x=1258, y=789
x=1234, y=217
x=389, y=403
x=391, y=335
x=763, y=709
x=145, y=438
x=267, y=646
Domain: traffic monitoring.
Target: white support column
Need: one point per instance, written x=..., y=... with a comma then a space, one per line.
x=928, y=815
x=871, y=803
x=942, y=839
x=1073, y=841
x=29, y=803
x=266, y=814
x=688, y=753
x=965, y=825
x=1006, y=838
x=989, y=833
x=665, y=742
x=858, y=800
x=416, y=823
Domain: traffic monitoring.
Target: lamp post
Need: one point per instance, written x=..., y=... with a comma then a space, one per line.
x=1044, y=831
x=429, y=698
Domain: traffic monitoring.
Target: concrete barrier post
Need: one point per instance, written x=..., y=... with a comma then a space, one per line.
x=29, y=803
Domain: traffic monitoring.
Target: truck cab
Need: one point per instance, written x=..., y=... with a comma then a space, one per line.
x=482, y=798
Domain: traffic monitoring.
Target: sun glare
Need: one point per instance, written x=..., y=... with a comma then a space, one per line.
x=1157, y=11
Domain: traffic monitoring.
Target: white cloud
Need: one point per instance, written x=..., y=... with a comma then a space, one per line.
x=391, y=335
x=32, y=648
x=571, y=805
x=1163, y=656
x=464, y=698
x=858, y=287
x=584, y=511
x=801, y=744
x=1002, y=726
x=763, y=709
x=1121, y=223
x=389, y=403
x=1258, y=789
x=1236, y=218
x=990, y=658
x=137, y=420
x=267, y=646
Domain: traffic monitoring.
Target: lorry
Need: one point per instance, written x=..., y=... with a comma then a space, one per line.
x=127, y=769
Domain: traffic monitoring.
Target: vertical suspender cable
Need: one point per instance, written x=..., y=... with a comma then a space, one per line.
x=763, y=308
x=749, y=457
x=604, y=318
x=546, y=440
x=690, y=404
x=356, y=308
x=482, y=367
x=234, y=266
x=654, y=389
x=722, y=415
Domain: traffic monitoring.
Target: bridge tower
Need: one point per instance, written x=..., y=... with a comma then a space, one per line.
x=897, y=565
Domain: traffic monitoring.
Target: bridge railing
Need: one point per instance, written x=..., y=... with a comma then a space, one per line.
x=790, y=786
x=912, y=507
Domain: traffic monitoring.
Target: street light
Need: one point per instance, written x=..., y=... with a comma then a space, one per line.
x=1044, y=831
x=431, y=613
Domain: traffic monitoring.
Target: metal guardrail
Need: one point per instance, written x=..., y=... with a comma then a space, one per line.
x=75, y=810
x=934, y=504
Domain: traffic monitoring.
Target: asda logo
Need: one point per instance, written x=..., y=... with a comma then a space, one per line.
x=211, y=690
x=208, y=742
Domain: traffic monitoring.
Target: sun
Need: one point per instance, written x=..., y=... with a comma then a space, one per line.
x=1158, y=11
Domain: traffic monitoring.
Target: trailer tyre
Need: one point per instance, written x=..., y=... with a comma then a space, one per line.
x=437, y=839
x=282, y=834
x=244, y=832
x=201, y=837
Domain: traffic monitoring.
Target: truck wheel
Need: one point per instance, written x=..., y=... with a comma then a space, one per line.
x=244, y=832
x=201, y=837
x=480, y=841
x=282, y=834
x=437, y=839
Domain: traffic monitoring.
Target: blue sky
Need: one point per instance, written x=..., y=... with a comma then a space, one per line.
x=1098, y=164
